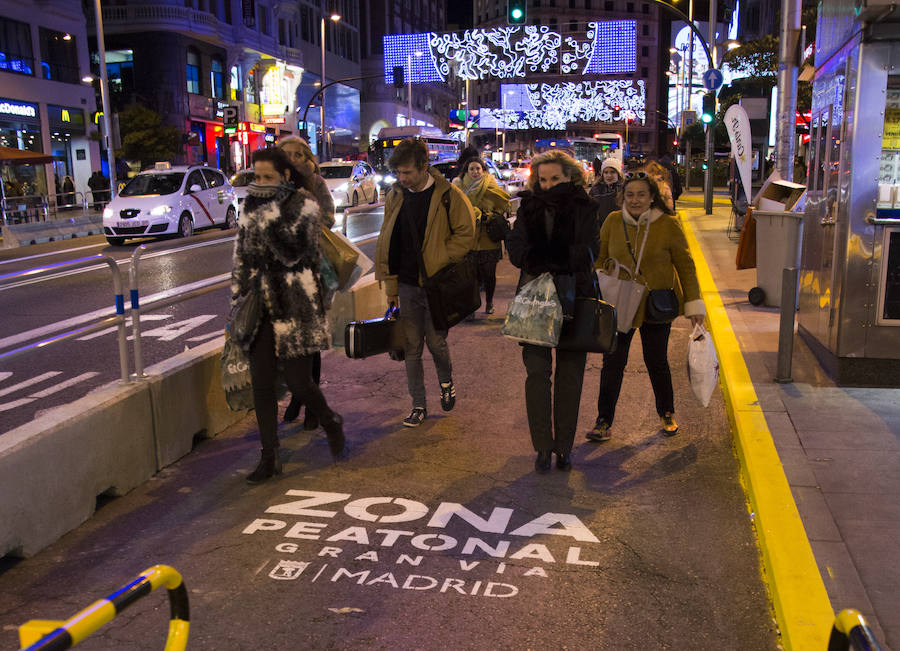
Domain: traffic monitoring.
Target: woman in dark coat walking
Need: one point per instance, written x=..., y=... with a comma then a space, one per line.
x=556, y=231
x=277, y=254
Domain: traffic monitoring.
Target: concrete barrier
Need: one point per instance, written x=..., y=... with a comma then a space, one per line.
x=53, y=468
x=187, y=400
x=113, y=439
x=365, y=300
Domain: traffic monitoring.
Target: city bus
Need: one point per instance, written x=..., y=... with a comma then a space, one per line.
x=441, y=147
x=601, y=147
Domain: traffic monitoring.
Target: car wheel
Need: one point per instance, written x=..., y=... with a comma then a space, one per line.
x=354, y=202
x=116, y=241
x=185, y=225
x=230, y=221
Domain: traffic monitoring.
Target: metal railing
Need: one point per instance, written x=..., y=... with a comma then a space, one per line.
x=850, y=631
x=119, y=319
x=43, y=207
x=44, y=635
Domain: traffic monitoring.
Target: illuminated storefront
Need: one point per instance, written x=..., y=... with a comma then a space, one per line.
x=20, y=128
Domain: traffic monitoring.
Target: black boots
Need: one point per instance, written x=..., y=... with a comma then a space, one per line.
x=269, y=466
x=542, y=462
x=293, y=410
x=336, y=441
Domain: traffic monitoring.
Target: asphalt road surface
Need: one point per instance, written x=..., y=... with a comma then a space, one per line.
x=50, y=303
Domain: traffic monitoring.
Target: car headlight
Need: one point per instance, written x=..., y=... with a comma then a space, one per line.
x=342, y=187
x=159, y=211
x=390, y=179
x=107, y=213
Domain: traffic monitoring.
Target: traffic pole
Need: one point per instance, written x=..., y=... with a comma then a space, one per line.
x=785, y=125
x=104, y=98
x=710, y=128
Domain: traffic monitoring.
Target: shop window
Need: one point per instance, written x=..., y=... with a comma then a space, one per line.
x=217, y=78
x=281, y=37
x=15, y=47
x=192, y=70
x=263, y=20
x=59, y=56
x=252, y=93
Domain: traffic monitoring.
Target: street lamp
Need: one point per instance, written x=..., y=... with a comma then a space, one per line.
x=334, y=18
x=409, y=87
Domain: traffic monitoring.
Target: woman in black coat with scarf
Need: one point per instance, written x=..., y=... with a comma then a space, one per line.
x=556, y=230
x=277, y=254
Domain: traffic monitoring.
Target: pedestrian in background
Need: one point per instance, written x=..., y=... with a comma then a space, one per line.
x=606, y=187
x=276, y=256
x=489, y=201
x=307, y=176
x=429, y=220
x=662, y=178
x=647, y=222
x=556, y=231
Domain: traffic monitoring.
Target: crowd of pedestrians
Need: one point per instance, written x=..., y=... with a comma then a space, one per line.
x=562, y=227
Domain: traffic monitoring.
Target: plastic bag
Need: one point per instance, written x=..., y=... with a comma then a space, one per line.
x=329, y=280
x=703, y=365
x=236, y=377
x=535, y=315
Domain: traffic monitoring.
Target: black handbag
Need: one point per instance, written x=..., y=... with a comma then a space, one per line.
x=245, y=317
x=593, y=328
x=496, y=227
x=662, y=306
x=452, y=292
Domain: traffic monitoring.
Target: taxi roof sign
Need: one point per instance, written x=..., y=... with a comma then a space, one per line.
x=163, y=165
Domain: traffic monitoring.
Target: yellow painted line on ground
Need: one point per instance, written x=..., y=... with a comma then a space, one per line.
x=801, y=603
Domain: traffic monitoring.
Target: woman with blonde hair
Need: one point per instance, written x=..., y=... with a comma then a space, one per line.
x=489, y=202
x=307, y=177
x=556, y=231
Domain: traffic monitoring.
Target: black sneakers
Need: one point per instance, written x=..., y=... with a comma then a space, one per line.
x=416, y=417
x=448, y=395
x=600, y=433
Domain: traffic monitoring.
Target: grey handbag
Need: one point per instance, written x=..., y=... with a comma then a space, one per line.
x=245, y=318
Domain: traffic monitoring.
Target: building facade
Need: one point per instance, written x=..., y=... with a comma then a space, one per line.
x=44, y=104
x=192, y=59
x=386, y=106
x=573, y=21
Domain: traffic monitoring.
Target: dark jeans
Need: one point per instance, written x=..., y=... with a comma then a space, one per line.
x=264, y=374
x=415, y=317
x=316, y=376
x=655, y=342
x=486, y=265
x=561, y=416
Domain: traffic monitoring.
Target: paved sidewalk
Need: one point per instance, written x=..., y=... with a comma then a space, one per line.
x=440, y=537
x=840, y=447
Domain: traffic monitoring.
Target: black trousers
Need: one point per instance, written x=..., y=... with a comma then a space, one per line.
x=552, y=424
x=486, y=266
x=655, y=343
x=297, y=373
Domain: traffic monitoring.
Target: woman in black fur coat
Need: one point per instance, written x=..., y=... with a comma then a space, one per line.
x=556, y=231
x=277, y=254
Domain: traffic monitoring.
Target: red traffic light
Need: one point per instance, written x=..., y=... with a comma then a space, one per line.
x=675, y=142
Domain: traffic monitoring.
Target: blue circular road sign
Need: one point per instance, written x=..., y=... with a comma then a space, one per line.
x=712, y=79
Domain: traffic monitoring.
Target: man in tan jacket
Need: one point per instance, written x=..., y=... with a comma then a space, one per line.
x=427, y=219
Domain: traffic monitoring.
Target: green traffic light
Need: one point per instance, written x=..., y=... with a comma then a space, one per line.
x=516, y=14
x=706, y=118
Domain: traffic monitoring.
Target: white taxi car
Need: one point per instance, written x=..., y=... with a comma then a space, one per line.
x=169, y=200
x=350, y=182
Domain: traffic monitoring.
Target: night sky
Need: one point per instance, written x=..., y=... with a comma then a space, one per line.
x=459, y=12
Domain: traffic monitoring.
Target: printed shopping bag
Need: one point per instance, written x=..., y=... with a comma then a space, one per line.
x=703, y=365
x=236, y=377
x=341, y=253
x=535, y=315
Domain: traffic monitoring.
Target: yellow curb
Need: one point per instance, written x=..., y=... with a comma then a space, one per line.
x=802, y=608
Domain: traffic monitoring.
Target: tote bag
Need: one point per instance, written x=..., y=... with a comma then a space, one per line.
x=535, y=315
x=625, y=294
x=341, y=253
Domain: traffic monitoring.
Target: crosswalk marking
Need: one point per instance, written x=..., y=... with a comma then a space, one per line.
x=106, y=331
x=208, y=335
x=64, y=385
x=29, y=382
x=6, y=406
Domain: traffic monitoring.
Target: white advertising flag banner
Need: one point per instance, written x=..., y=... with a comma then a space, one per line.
x=738, y=125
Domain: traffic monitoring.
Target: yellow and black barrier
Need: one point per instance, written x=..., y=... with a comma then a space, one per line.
x=850, y=631
x=52, y=635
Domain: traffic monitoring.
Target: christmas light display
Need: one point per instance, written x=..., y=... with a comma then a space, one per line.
x=509, y=52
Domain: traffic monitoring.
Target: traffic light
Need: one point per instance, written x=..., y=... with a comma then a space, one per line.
x=515, y=12
x=675, y=142
x=704, y=165
x=398, y=76
x=709, y=108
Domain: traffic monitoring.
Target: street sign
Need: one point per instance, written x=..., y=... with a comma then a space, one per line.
x=712, y=79
x=230, y=116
